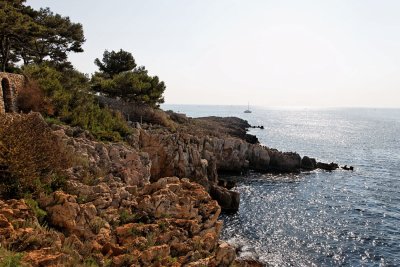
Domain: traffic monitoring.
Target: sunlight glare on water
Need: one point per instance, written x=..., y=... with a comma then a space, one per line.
x=319, y=218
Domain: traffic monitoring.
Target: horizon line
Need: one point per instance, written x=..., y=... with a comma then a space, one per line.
x=286, y=107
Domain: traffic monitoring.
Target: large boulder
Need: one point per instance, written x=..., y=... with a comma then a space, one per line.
x=308, y=163
x=284, y=161
x=228, y=200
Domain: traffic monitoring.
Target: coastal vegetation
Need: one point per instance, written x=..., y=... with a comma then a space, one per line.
x=32, y=159
x=36, y=43
x=120, y=77
x=65, y=96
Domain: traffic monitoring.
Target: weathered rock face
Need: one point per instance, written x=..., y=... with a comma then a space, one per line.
x=176, y=155
x=111, y=160
x=284, y=162
x=201, y=158
x=228, y=200
x=171, y=222
x=109, y=211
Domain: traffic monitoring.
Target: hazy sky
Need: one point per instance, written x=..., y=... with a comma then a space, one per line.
x=268, y=53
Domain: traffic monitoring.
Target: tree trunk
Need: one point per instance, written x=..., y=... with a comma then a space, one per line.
x=5, y=52
x=2, y=47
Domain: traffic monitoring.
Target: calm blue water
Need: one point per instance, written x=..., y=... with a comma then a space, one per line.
x=318, y=218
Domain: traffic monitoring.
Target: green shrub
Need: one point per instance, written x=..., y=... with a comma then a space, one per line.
x=126, y=217
x=9, y=258
x=52, y=120
x=163, y=225
x=71, y=101
x=96, y=224
x=89, y=262
x=39, y=213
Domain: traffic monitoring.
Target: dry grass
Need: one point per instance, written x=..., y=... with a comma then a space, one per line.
x=31, y=156
x=32, y=98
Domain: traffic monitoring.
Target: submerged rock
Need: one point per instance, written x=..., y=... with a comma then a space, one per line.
x=328, y=167
x=351, y=168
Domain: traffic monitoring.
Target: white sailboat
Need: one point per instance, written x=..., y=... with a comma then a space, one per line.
x=248, y=109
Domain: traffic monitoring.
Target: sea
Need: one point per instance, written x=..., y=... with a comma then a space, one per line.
x=319, y=218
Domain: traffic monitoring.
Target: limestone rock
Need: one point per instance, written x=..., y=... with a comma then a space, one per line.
x=284, y=162
x=228, y=200
x=46, y=257
x=169, y=217
x=202, y=157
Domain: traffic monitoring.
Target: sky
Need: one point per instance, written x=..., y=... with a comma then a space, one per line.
x=342, y=53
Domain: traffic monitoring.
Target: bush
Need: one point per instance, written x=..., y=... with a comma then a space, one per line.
x=68, y=92
x=32, y=98
x=9, y=258
x=49, y=81
x=39, y=213
x=32, y=158
x=126, y=217
x=137, y=112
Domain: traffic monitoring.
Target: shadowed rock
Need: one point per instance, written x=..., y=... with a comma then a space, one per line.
x=308, y=163
x=228, y=200
x=328, y=167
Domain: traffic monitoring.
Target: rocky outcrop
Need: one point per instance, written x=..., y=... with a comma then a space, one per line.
x=284, y=161
x=109, y=212
x=104, y=160
x=20, y=232
x=228, y=200
x=328, y=167
x=176, y=155
x=350, y=168
x=222, y=127
x=171, y=222
x=202, y=158
x=308, y=163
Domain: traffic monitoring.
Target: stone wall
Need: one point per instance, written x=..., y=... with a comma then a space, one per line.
x=10, y=85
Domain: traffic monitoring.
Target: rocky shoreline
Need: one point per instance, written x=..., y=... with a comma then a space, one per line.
x=153, y=201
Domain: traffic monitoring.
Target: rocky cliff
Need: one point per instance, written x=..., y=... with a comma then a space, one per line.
x=109, y=214
x=193, y=151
